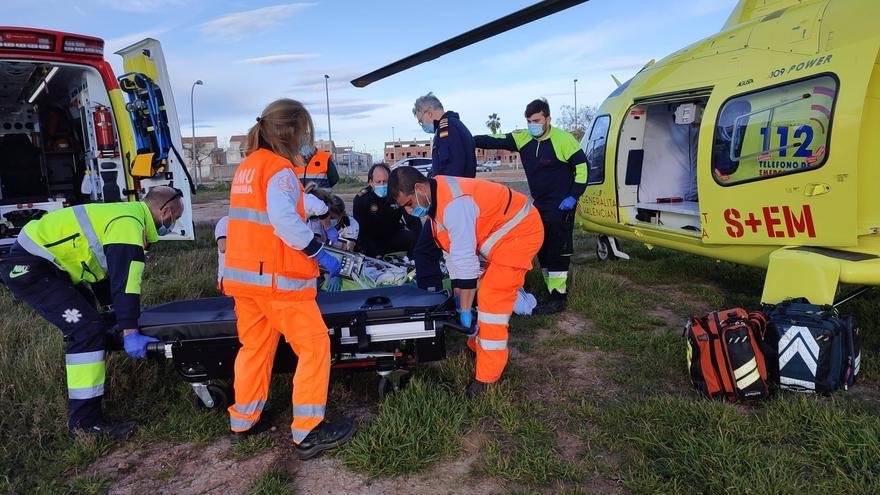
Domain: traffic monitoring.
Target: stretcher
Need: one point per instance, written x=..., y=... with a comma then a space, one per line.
x=387, y=329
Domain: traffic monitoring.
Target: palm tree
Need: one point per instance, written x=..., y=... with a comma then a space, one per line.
x=494, y=123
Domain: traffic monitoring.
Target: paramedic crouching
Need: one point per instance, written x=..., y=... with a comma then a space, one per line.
x=47, y=269
x=270, y=269
x=384, y=229
x=473, y=218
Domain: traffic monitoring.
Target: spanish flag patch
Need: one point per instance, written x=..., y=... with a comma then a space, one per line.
x=444, y=133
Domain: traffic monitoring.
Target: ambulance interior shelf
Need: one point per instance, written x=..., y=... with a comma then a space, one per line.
x=47, y=141
x=658, y=154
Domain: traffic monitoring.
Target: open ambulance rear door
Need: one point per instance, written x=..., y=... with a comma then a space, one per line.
x=159, y=157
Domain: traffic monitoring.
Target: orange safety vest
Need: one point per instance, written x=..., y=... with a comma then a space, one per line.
x=316, y=170
x=504, y=214
x=258, y=263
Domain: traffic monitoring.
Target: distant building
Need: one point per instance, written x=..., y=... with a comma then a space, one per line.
x=208, y=154
x=349, y=161
x=235, y=151
x=325, y=145
x=503, y=156
x=400, y=149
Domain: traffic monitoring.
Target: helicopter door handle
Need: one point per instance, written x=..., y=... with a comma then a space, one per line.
x=815, y=189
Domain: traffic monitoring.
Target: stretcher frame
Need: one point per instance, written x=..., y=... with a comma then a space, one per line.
x=390, y=340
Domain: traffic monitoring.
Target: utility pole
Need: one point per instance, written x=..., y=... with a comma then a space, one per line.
x=329, y=132
x=575, y=104
x=192, y=148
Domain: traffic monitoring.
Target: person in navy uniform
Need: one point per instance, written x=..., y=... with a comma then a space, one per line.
x=384, y=229
x=452, y=153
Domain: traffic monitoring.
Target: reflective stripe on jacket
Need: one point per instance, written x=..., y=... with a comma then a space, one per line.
x=74, y=238
x=501, y=211
x=258, y=262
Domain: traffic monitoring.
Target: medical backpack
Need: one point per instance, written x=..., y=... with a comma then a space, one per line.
x=724, y=355
x=811, y=349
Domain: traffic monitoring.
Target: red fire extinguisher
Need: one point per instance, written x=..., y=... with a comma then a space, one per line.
x=104, y=132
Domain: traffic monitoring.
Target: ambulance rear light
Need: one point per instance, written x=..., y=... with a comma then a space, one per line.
x=20, y=40
x=85, y=46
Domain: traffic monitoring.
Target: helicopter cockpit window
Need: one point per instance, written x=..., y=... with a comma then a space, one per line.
x=776, y=131
x=594, y=148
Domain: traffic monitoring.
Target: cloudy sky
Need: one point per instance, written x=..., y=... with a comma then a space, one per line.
x=251, y=52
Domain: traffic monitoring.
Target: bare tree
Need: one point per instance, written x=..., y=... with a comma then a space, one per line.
x=565, y=119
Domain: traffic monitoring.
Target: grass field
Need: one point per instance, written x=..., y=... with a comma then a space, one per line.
x=593, y=401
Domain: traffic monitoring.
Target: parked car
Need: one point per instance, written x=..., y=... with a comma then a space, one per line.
x=488, y=166
x=423, y=165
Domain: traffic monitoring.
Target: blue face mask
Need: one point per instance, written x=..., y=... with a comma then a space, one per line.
x=333, y=222
x=429, y=128
x=306, y=150
x=536, y=130
x=163, y=230
x=381, y=191
x=420, y=211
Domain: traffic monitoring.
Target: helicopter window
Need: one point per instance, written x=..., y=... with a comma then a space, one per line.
x=595, y=150
x=781, y=130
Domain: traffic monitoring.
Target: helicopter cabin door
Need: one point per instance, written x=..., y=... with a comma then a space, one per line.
x=781, y=166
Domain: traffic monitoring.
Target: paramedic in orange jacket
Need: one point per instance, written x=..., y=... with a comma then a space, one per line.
x=474, y=218
x=270, y=269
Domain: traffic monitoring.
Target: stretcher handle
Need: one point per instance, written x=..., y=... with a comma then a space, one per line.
x=455, y=326
x=156, y=349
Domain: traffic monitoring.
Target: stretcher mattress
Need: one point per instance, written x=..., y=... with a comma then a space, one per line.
x=383, y=311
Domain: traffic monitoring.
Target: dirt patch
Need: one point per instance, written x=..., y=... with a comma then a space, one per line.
x=568, y=368
x=325, y=476
x=210, y=212
x=574, y=324
x=568, y=445
x=188, y=468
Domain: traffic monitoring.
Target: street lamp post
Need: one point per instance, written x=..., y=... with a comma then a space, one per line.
x=329, y=132
x=192, y=148
x=575, y=104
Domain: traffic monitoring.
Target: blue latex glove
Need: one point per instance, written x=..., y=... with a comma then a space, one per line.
x=332, y=234
x=329, y=263
x=136, y=344
x=568, y=204
x=333, y=285
x=466, y=318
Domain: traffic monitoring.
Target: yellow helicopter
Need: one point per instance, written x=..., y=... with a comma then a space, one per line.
x=759, y=145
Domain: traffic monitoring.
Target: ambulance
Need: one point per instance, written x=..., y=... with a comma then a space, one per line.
x=72, y=132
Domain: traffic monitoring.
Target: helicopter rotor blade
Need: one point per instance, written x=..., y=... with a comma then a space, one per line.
x=498, y=26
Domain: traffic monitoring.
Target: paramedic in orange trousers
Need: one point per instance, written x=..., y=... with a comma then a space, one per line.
x=270, y=269
x=474, y=218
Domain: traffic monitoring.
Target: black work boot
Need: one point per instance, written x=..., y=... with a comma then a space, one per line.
x=323, y=437
x=262, y=424
x=476, y=388
x=555, y=304
x=119, y=432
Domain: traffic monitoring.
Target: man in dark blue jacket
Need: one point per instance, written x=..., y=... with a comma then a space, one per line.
x=556, y=168
x=452, y=153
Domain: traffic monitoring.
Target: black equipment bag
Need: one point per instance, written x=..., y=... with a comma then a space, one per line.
x=811, y=349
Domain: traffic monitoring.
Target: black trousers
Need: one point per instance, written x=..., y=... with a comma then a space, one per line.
x=555, y=253
x=49, y=291
x=427, y=256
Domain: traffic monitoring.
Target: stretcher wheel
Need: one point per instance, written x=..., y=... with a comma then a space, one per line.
x=387, y=385
x=603, y=249
x=220, y=396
